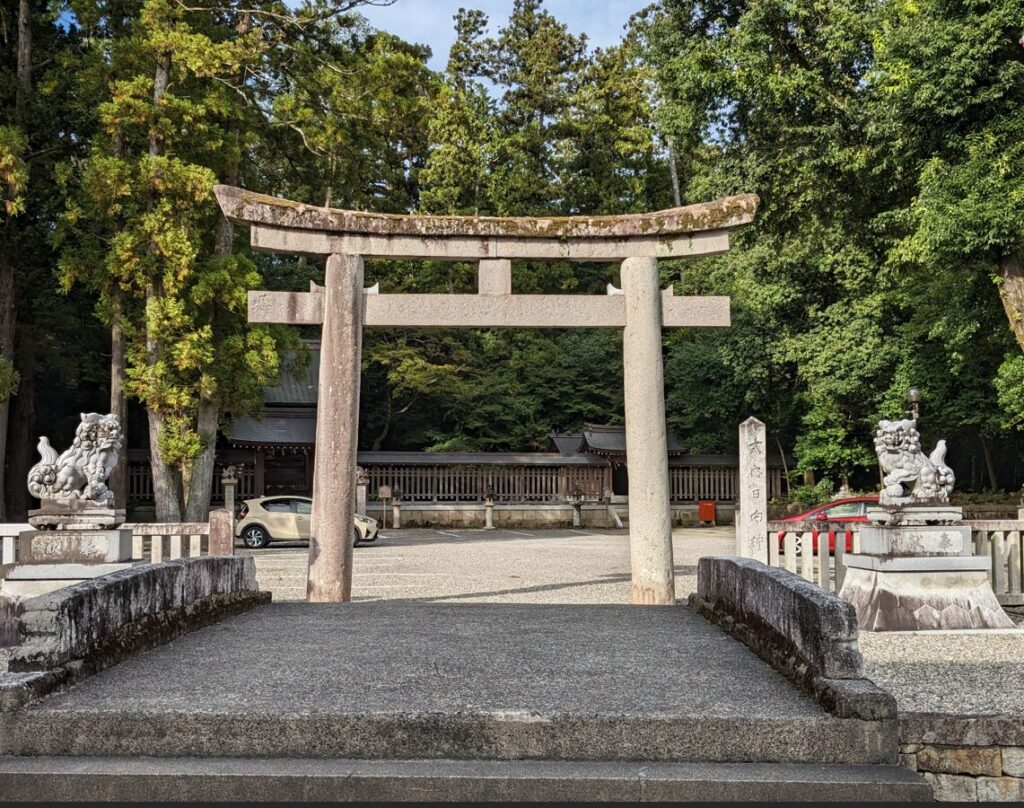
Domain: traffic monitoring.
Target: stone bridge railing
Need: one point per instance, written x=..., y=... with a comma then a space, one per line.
x=151, y=541
x=815, y=552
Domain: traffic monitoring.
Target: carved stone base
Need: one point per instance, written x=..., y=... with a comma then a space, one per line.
x=922, y=593
x=74, y=514
x=74, y=546
x=915, y=540
x=915, y=513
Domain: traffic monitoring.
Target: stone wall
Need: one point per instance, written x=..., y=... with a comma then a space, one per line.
x=966, y=758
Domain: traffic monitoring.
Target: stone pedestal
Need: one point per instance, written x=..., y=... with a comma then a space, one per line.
x=915, y=572
x=74, y=546
x=52, y=559
x=75, y=514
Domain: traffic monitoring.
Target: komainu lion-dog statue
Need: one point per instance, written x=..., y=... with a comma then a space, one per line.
x=910, y=477
x=81, y=472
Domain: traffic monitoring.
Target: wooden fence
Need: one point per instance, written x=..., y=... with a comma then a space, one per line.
x=505, y=483
x=140, y=483
x=804, y=548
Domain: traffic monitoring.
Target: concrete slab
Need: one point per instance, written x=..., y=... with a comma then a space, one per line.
x=416, y=680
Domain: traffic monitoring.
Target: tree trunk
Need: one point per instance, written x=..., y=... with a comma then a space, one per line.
x=24, y=62
x=1011, y=292
x=197, y=507
x=673, y=171
x=200, y=482
x=22, y=443
x=990, y=467
x=166, y=479
x=7, y=308
x=118, y=482
x=785, y=467
x=7, y=315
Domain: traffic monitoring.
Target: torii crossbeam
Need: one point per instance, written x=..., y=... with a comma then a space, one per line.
x=343, y=307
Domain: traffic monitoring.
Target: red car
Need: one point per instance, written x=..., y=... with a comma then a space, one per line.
x=830, y=517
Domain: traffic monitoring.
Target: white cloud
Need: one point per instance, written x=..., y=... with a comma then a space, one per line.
x=429, y=22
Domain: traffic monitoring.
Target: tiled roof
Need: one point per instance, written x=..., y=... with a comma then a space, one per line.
x=299, y=387
x=278, y=427
x=611, y=439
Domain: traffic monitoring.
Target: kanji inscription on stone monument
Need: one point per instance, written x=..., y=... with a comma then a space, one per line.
x=752, y=520
x=343, y=308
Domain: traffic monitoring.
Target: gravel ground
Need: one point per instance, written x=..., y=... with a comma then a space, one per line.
x=954, y=672
x=949, y=673
x=507, y=566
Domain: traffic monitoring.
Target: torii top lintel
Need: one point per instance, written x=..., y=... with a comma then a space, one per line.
x=280, y=225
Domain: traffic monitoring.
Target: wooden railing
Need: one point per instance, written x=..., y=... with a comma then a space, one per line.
x=140, y=483
x=511, y=483
x=804, y=548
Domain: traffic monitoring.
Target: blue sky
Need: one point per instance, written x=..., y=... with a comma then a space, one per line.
x=430, y=21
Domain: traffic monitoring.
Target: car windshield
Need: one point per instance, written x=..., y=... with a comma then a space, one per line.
x=843, y=509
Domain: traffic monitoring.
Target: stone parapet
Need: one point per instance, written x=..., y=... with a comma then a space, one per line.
x=807, y=633
x=818, y=625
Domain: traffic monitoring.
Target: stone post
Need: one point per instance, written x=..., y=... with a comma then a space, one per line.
x=222, y=535
x=362, y=482
x=489, y=513
x=752, y=519
x=337, y=429
x=650, y=524
x=396, y=513
x=229, y=481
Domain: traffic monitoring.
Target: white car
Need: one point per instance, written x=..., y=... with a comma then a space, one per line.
x=287, y=518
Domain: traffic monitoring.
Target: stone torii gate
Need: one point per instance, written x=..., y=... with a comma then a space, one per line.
x=343, y=307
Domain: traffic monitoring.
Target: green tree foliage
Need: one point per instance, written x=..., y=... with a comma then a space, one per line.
x=879, y=136
x=883, y=136
x=140, y=224
x=950, y=85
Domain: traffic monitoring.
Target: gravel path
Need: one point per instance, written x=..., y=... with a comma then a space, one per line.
x=500, y=566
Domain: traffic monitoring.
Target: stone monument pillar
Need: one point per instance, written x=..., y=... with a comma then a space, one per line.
x=915, y=569
x=362, y=483
x=752, y=519
x=77, y=532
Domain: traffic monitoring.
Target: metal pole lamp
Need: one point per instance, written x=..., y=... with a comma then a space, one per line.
x=914, y=399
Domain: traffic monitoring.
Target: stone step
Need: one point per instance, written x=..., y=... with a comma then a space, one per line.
x=286, y=780
x=464, y=734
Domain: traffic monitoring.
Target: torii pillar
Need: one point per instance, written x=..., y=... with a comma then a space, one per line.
x=343, y=308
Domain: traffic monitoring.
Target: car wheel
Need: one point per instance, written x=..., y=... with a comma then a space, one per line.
x=356, y=538
x=254, y=537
